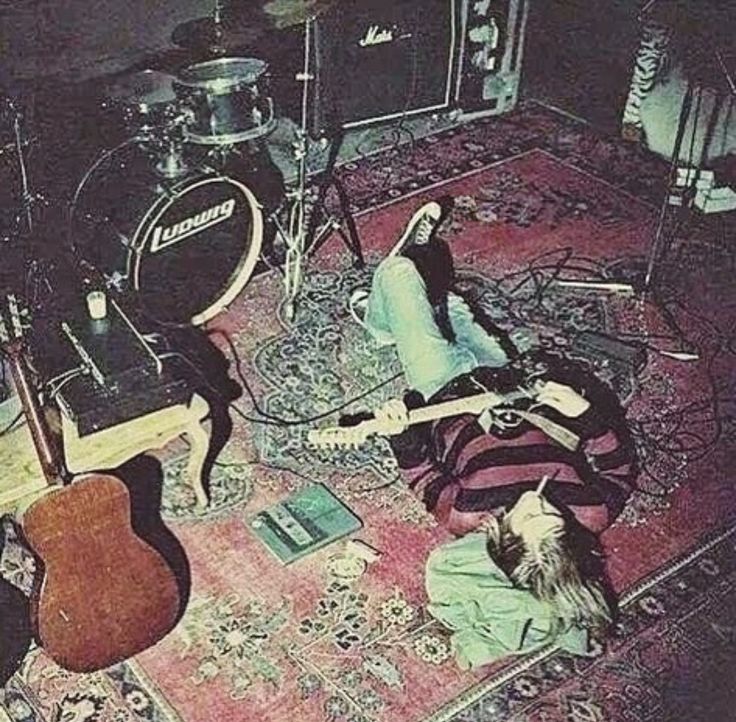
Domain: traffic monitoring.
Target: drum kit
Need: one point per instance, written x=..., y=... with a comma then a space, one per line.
x=180, y=232
x=178, y=229
x=215, y=103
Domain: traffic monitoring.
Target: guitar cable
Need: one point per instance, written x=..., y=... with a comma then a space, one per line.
x=286, y=422
x=9, y=427
x=57, y=383
x=268, y=419
x=20, y=416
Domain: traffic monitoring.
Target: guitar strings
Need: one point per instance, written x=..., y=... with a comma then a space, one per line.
x=530, y=285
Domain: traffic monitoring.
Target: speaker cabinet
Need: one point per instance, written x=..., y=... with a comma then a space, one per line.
x=376, y=60
x=489, y=56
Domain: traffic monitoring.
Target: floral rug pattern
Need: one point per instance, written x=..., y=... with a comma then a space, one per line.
x=231, y=485
x=348, y=659
x=326, y=357
x=671, y=634
x=363, y=649
x=386, y=176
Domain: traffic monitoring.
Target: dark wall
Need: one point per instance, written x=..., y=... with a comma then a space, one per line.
x=73, y=40
x=579, y=55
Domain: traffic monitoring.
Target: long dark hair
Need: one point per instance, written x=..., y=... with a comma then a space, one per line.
x=436, y=266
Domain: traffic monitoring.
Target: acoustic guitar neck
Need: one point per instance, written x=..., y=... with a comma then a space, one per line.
x=53, y=469
x=11, y=337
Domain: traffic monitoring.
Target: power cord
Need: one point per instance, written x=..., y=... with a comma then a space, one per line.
x=266, y=418
x=9, y=427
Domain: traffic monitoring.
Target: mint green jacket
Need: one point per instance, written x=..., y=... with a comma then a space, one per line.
x=490, y=618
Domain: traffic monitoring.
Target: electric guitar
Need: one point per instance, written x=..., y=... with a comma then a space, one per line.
x=501, y=409
x=104, y=595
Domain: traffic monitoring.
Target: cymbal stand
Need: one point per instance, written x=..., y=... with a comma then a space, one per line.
x=217, y=48
x=303, y=233
x=28, y=199
x=662, y=243
x=295, y=235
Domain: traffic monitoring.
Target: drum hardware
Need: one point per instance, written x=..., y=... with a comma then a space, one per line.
x=171, y=163
x=28, y=199
x=146, y=101
x=214, y=34
x=304, y=234
x=153, y=113
x=169, y=146
x=217, y=48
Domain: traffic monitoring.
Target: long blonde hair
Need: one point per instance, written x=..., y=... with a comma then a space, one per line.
x=552, y=573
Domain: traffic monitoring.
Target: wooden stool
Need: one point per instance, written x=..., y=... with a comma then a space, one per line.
x=113, y=446
x=22, y=478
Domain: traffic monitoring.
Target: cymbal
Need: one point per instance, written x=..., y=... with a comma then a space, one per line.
x=240, y=28
x=145, y=88
x=286, y=13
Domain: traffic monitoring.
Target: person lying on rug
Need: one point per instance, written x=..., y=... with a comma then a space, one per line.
x=478, y=478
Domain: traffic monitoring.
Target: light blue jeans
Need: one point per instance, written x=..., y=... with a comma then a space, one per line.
x=399, y=313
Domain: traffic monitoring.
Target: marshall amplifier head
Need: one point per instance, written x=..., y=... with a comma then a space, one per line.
x=490, y=50
x=376, y=60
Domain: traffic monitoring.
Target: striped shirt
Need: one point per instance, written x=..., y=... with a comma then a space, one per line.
x=461, y=472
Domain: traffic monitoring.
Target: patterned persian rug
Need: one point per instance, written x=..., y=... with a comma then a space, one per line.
x=538, y=198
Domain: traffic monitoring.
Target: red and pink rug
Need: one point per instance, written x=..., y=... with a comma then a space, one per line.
x=537, y=198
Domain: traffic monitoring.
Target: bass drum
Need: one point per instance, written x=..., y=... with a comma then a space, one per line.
x=185, y=248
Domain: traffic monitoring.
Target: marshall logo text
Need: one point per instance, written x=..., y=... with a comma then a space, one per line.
x=376, y=36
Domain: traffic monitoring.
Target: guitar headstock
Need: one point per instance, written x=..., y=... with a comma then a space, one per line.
x=12, y=334
x=336, y=437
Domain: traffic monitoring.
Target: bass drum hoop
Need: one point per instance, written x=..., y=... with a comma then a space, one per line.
x=243, y=271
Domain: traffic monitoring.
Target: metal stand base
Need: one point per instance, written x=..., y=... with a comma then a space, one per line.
x=306, y=236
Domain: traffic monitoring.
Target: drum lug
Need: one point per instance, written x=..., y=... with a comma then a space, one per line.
x=117, y=280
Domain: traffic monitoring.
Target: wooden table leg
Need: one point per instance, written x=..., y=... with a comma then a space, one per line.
x=199, y=441
x=116, y=445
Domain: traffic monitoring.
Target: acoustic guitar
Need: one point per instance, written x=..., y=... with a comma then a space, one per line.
x=104, y=595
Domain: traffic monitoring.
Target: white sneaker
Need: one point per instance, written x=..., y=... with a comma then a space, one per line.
x=419, y=229
x=358, y=306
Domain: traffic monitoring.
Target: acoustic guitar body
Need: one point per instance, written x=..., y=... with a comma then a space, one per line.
x=105, y=594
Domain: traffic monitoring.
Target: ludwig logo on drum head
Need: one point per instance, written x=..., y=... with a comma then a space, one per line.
x=167, y=236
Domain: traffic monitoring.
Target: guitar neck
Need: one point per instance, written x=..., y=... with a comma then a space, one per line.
x=53, y=470
x=469, y=405
x=475, y=404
